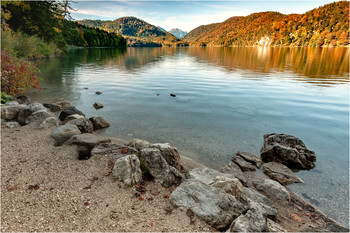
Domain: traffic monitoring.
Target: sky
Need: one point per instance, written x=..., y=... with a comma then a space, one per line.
x=186, y=15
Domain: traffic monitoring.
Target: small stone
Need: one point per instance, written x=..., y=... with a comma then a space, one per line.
x=127, y=169
x=98, y=93
x=12, y=124
x=172, y=95
x=98, y=105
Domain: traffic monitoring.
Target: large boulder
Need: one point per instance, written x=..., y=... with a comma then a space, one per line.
x=63, y=133
x=69, y=111
x=281, y=173
x=139, y=144
x=111, y=149
x=127, y=169
x=99, y=122
x=271, y=188
x=27, y=111
x=212, y=205
x=39, y=116
x=230, y=185
x=235, y=170
x=158, y=167
x=49, y=122
x=243, y=164
x=169, y=153
x=253, y=221
x=10, y=112
x=250, y=157
x=53, y=107
x=84, y=124
x=288, y=150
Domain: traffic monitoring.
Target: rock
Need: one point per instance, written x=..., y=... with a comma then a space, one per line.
x=250, y=157
x=49, y=122
x=85, y=88
x=12, y=103
x=271, y=188
x=84, y=152
x=23, y=99
x=163, y=173
x=12, y=124
x=53, y=107
x=112, y=149
x=69, y=111
x=63, y=103
x=38, y=116
x=229, y=185
x=98, y=93
x=274, y=227
x=139, y=144
x=253, y=221
x=98, y=105
x=212, y=205
x=127, y=169
x=288, y=150
x=72, y=117
x=84, y=125
x=250, y=195
x=63, y=133
x=99, y=123
x=206, y=175
x=87, y=139
x=11, y=112
x=281, y=173
x=169, y=153
x=172, y=95
x=28, y=110
x=243, y=164
x=235, y=170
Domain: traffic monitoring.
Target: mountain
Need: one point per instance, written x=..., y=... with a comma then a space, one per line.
x=178, y=33
x=325, y=26
x=137, y=32
x=162, y=29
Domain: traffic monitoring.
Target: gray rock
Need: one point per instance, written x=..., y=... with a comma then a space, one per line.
x=271, y=188
x=87, y=139
x=53, y=107
x=250, y=195
x=99, y=122
x=253, y=221
x=12, y=103
x=63, y=103
x=69, y=111
x=206, y=175
x=49, y=122
x=163, y=173
x=72, y=117
x=112, y=149
x=84, y=125
x=11, y=112
x=98, y=105
x=38, y=116
x=281, y=173
x=229, y=185
x=212, y=205
x=127, y=169
x=139, y=144
x=250, y=157
x=28, y=110
x=274, y=227
x=12, y=124
x=235, y=170
x=23, y=99
x=169, y=153
x=243, y=164
x=63, y=133
x=288, y=150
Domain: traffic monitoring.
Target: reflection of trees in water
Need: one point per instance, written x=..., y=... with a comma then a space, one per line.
x=323, y=63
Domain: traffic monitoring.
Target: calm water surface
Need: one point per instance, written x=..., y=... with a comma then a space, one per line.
x=226, y=100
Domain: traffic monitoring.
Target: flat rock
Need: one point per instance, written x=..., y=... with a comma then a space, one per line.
x=87, y=139
x=139, y=144
x=206, y=175
x=288, y=150
x=230, y=185
x=38, y=116
x=250, y=195
x=243, y=164
x=235, y=170
x=271, y=188
x=127, y=169
x=84, y=125
x=158, y=167
x=63, y=133
x=113, y=150
x=280, y=173
x=99, y=122
x=212, y=205
x=27, y=111
x=98, y=105
x=169, y=153
x=250, y=157
x=69, y=111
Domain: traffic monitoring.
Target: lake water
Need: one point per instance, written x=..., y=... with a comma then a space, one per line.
x=226, y=100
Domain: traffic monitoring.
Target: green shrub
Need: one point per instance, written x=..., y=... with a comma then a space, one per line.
x=5, y=97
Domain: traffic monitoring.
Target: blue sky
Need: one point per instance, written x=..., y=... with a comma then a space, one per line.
x=186, y=15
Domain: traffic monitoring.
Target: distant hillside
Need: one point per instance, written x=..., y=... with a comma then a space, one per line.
x=137, y=32
x=178, y=33
x=162, y=29
x=325, y=26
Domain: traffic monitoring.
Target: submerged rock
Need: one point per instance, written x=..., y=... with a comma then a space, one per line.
x=281, y=173
x=127, y=169
x=288, y=150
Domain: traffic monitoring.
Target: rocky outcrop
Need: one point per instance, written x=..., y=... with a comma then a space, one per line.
x=163, y=173
x=69, y=111
x=212, y=205
x=280, y=173
x=288, y=150
x=98, y=105
x=99, y=122
x=27, y=111
x=235, y=170
x=271, y=188
x=39, y=116
x=250, y=157
x=229, y=185
x=139, y=144
x=127, y=169
x=243, y=164
x=169, y=153
x=63, y=133
x=83, y=124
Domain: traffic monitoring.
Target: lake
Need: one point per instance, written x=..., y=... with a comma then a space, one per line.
x=226, y=100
